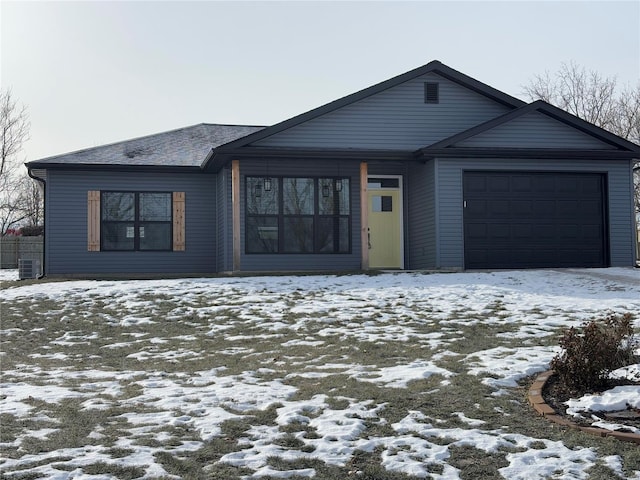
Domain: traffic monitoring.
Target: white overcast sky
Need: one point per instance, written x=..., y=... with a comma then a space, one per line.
x=92, y=73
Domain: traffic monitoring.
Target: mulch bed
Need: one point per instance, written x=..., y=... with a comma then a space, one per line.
x=555, y=394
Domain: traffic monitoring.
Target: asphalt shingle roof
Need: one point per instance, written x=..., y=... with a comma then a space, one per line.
x=184, y=147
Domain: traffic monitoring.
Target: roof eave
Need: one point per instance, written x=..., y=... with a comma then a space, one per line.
x=112, y=167
x=218, y=158
x=538, y=153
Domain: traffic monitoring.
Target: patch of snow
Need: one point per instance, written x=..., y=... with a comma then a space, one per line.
x=614, y=426
x=631, y=372
x=18, y=396
x=400, y=375
x=8, y=274
x=508, y=365
x=469, y=421
x=551, y=459
x=267, y=471
x=613, y=400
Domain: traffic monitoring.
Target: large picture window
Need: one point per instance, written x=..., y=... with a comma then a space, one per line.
x=297, y=215
x=136, y=221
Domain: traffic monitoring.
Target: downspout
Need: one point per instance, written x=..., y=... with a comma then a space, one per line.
x=635, y=170
x=44, y=215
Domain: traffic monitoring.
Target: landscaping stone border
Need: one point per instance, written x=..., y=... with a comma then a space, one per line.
x=537, y=402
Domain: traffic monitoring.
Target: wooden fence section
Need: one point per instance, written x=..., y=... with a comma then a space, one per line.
x=13, y=248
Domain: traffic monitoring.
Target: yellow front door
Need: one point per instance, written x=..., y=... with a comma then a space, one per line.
x=385, y=228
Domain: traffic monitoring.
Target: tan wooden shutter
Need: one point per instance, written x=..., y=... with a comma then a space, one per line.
x=93, y=221
x=178, y=221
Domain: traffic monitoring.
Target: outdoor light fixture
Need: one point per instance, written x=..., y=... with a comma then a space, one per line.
x=325, y=190
x=339, y=185
x=267, y=184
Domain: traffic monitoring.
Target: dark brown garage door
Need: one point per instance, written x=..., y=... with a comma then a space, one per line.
x=534, y=220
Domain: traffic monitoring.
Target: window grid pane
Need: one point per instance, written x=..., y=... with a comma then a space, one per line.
x=297, y=215
x=298, y=234
x=344, y=196
x=118, y=236
x=118, y=206
x=327, y=196
x=262, y=234
x=262, y=195
x=136, y=221
x=155, y=207
x=155, y=236
x=298, y=196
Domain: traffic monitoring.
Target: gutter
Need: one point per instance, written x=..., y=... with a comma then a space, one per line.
x=114, y=167
x=428, y=153
x=44, y=212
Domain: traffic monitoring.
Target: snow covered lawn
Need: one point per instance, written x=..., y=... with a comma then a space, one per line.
x=389, y=376
x=8, y=274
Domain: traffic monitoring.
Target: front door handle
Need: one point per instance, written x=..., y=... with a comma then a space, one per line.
x=369, y=238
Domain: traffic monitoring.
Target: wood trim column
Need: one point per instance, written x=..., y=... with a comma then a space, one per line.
x=178, y=222
x=93, y=220
x=235, y=212
x=364, y=215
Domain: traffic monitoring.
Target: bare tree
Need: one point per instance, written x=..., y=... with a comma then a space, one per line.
x=596, y=99
x=12, y=197
x=33, y=201
x=20, y=199
x=627, y=120
x=14, y=128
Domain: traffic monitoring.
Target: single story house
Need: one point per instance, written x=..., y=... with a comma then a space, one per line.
x=431, y=169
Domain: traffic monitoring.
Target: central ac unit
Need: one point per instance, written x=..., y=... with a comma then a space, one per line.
x=28, y=268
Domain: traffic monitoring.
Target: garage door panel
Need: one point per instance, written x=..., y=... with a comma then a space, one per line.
x=542, y=208
x=479, y=208
x=476, y=184
x=496, y=207
x=522, y=184
x=497, y=232
x=591, y=185
x=477, y=231
x=520, y=208
x=543, y=183
x=592, y=233
x=592, y=208
x=523, y=232
x=567, y=208
x=534, y=220
x=569, y=232
x=498, y=184
x=568, y=184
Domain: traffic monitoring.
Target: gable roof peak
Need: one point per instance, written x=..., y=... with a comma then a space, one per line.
x=544, y=108
x=434, y=66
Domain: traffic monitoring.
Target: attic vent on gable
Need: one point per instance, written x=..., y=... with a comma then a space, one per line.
x=431, y=92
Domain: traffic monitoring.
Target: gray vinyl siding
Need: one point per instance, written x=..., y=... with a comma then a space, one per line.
x=535, y=130
x=421, y=216
x=395, y=119
x=67, y=224
x=303, y=262
x=621, y=216
x=450, y=202
x=224, y=254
